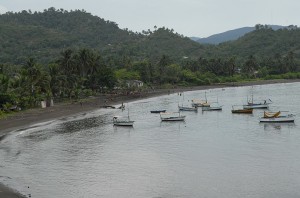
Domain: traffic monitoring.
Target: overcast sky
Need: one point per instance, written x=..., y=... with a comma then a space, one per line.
x=200, y=18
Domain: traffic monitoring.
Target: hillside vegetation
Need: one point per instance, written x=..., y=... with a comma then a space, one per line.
x=43, y=35
x=262, y=43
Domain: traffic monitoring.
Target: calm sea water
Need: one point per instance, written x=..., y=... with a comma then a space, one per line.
x=211, y=154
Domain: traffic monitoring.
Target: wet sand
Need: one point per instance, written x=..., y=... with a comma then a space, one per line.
x=6, y=192
x=60, y=110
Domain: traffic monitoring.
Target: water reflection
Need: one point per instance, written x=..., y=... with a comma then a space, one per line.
x=278, y=126
x=123, y=129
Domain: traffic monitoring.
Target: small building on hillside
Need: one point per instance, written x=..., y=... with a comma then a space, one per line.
x=134, y=83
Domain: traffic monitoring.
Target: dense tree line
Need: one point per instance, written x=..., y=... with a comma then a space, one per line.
x=80, y=73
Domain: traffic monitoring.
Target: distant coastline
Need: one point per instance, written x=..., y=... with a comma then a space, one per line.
x=60, y=110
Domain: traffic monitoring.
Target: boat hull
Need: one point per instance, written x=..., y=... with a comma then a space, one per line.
x=256, y=106
x=243, y=111
x=278, y=119
x=125, y=123
x=187, y=108
x=181, y=118
x=158, y=111
x=211, y=108
x=200, y=105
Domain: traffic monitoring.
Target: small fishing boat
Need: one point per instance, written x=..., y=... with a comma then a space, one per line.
x=185, y=108
x=158, y=111
x=213, y=107
x=237, y=109
x=200, y=103
x=264, y=104
x=277, y=117
x=122, y=121
x=171, y=116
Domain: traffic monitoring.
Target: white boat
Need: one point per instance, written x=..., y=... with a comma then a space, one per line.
x=274, y=117
x=171, y=116
x=185, y=108
x=213, y=107
x=122, y=121
x=264, y=104
x=261, y=105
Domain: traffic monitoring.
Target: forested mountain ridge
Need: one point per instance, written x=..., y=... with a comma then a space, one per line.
x=43, y=35
x=261, y=43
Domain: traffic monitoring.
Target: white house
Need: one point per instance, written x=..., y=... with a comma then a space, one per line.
x=134, y=83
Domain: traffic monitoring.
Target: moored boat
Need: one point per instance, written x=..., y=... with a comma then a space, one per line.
x=172, y=116
x=121, y=121
x=213, y=107
x=200, y=103
x=158, y=111
x=256, y=106
x=264, y=104
x=242, y=111
x=237, y=109
x=185, y=108
x=277, y=117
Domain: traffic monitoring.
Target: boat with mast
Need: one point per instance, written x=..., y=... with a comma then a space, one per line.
x=215, y=106
x=186, y=107
x=122, y=121
x=200, y=103
x=264, y=104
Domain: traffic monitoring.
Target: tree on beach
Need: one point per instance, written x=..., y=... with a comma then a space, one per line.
x=36, y=82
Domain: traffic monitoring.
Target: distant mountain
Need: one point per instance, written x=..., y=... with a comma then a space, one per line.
x=230, y=35
x=194, y=38
x=44, y=35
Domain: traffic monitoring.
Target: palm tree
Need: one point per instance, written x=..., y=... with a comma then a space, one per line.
x=290, y=61
x=250, y=66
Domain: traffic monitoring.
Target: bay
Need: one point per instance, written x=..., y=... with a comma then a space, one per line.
x=211, y=154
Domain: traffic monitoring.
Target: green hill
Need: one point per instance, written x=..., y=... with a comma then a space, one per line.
x=43, y=35
x=262, y=43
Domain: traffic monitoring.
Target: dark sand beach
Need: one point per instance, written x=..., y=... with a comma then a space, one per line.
x=60, y=110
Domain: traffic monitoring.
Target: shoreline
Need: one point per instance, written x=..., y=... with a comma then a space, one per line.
x=61, y=110
x=6, y=192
